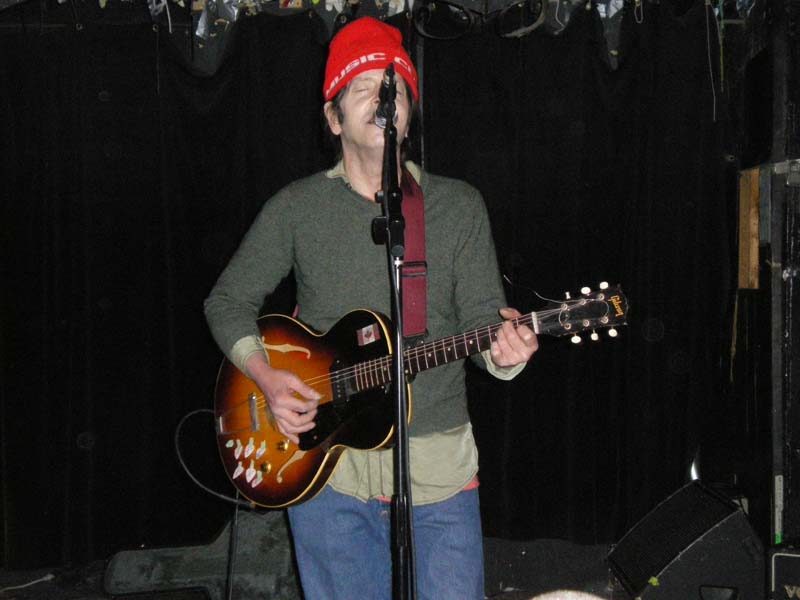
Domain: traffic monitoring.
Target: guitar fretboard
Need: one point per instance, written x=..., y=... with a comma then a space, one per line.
x=605, y=308
x=374, y=373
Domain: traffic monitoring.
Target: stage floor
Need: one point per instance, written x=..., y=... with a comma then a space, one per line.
x=540, y=569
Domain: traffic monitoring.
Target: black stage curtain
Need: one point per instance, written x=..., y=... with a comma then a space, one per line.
x=592, y=174
x=128, y=179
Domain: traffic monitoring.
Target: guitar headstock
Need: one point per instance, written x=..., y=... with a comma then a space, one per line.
x=605, y=308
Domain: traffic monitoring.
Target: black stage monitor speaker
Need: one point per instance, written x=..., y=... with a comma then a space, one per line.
x=695, y=545
x=784, y=573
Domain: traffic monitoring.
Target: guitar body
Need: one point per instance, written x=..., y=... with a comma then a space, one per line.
x=355, y=411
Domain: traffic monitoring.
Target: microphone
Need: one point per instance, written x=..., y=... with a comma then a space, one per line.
x=386, y=96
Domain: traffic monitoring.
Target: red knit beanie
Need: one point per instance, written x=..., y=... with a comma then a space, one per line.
x=366, y=44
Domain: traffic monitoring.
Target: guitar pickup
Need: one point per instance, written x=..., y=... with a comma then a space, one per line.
x=341, y=387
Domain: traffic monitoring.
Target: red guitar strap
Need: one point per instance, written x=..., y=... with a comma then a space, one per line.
x=414, y=272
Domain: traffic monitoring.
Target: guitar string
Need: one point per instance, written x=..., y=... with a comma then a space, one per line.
x=349, y=373
x=412, y=353
x=419, y=352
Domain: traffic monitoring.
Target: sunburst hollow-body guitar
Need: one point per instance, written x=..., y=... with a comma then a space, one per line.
x=350, y=366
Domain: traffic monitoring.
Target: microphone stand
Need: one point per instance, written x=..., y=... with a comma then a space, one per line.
x=389, y=229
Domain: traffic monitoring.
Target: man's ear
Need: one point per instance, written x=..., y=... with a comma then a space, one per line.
x=332, y=118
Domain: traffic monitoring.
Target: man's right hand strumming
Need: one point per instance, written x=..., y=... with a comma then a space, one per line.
x=293, y=403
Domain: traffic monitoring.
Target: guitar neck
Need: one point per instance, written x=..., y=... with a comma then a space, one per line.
x=375, y=373
x=440, y=352
x=602, y=309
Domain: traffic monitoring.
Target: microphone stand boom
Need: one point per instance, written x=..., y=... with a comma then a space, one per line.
x=389, y=229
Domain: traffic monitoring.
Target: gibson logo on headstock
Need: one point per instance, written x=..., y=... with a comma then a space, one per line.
x=616, y=301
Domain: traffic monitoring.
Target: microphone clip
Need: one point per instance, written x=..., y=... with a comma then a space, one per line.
x=387, y=110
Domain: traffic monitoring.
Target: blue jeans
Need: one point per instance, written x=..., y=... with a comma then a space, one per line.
x=343, y=548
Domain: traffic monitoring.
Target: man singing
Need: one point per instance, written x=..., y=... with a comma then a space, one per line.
x=320, y=228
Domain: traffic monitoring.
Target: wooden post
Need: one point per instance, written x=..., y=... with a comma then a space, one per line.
x=748, y=228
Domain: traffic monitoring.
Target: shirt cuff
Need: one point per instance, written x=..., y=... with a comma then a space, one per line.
x=243, y=349
x=504, y=373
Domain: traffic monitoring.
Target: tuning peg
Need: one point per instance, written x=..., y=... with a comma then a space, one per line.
x=575, y=339
x=586, y=290
x=603, y=285
x=612, y=332
x=594, y=336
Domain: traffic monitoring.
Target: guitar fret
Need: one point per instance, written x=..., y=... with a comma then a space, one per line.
x=378, y=372
x=411, y=355
x=372, y=375
x=490, y=337
x=475, y=338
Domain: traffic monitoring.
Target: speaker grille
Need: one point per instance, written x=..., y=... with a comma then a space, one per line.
x=665, y=532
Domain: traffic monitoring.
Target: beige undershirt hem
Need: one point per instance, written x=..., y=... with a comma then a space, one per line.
x=442, y=464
